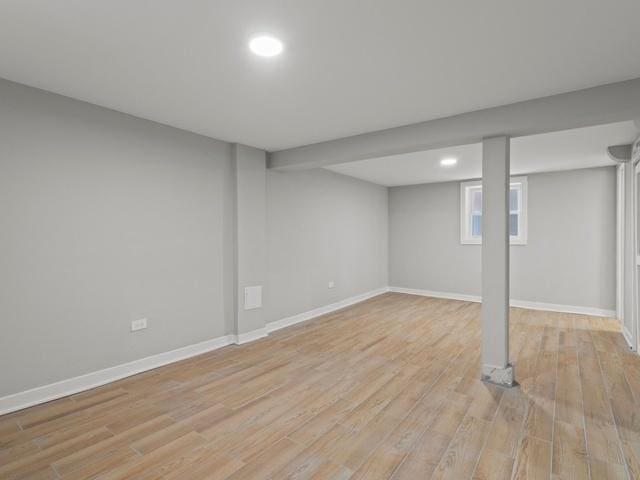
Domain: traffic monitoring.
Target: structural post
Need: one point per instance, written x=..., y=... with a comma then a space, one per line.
x=495, y=262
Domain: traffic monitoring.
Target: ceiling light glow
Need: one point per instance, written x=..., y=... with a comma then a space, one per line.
x=266, y=46
x=448, y=162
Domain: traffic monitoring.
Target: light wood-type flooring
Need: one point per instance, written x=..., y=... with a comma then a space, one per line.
x=387, y=388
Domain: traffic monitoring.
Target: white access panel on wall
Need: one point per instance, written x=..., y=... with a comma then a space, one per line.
x=252, y=297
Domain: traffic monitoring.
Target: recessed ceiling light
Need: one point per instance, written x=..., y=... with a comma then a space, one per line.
x=265, y=46
x=448, y=162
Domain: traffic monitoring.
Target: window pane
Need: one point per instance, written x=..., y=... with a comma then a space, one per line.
x=476, y=225
x=513, y=199
x=476, y=200
x=513, y=224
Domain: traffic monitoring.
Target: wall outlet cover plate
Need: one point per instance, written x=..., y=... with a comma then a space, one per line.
x=140, y=324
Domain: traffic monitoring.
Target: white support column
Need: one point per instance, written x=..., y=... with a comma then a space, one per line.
x=495, y=261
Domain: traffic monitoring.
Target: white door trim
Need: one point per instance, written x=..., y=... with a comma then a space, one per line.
x=632, y=335
x=620, y=196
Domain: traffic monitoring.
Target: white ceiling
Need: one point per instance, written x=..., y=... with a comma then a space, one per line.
x=567, y=150
x=350, y=66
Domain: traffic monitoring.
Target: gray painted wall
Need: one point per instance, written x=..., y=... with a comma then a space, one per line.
x=106, y=218
x=569, y=258
x=321, y=227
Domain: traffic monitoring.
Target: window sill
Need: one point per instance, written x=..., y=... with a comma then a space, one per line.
x=479, y=242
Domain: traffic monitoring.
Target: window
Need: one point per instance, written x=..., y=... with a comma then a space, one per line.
x=471, y=212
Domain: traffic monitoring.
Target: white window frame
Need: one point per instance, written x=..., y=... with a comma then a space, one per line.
x=465, y=212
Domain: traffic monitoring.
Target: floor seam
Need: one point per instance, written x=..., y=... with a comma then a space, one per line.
x=584, y=422
x=526, y=415
x=615, y=423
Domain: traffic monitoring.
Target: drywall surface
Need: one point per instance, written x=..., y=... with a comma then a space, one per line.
x=569, y=258
x=104, y=219
x=322, y=227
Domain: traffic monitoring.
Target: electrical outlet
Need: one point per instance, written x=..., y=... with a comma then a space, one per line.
x=331, y=284
x=140, y=324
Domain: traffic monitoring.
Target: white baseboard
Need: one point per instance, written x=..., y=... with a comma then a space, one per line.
x=316, y=312
x=549, y=307
x=430, y=293
x=63, y=388
x=251, y=336
x=553, y=307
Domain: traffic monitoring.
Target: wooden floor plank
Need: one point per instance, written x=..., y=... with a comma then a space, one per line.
x=461, y=457
x=533, y=460
x=493, y=466
x=569, y=452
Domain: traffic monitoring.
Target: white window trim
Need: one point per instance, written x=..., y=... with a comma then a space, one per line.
x=465, y=234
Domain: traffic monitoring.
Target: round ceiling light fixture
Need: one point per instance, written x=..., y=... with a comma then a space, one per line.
x=448, y=162
x=265, y=45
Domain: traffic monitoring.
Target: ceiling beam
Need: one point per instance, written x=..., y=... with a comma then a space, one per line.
x=615, y=102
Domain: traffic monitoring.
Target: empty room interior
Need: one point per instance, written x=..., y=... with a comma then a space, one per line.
x=319, y=240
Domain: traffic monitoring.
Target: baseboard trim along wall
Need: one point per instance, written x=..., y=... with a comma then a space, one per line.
x=552, y=307
x=549, y=307
x=64, y=388
x=430, y=293
x=316, y=312
x=251, y=336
